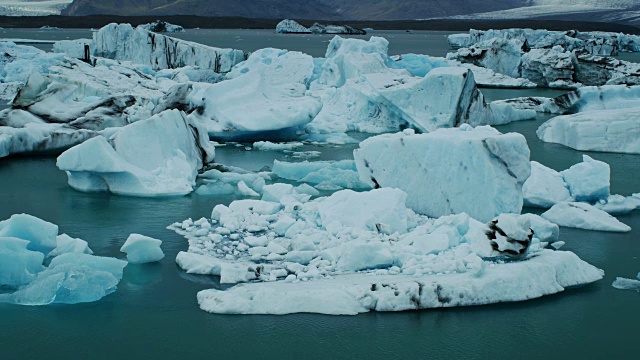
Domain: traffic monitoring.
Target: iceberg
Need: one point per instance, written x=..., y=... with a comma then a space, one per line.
x=627, y=284
x=123, y=42
x=159, y=156
x=583, y=216
x=288, y=26
x=142, y=249
x=380, y=102
x=618, y=204
x=370, y=241
x=77, y=48
x=72, y=276
x=545, y=187
x=276, y=89
x=353, y=294
x=162, y=26
x=601, y=130
x=588, y=180
x=595, y=42
x=482, y=173
x=317, y=28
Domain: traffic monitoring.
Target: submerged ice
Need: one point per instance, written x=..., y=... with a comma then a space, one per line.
x=72, y=276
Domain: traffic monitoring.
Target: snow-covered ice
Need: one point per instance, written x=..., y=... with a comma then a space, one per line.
x=324, y=255
x=484, y=185
x=142, y=249
x=588, y=180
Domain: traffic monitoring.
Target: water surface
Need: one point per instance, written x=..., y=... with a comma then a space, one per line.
x=154, y=314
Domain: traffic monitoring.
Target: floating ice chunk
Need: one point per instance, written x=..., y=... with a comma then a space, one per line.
x=588, y=180
x=333, y=138
x=18, y=265
x=583, y=216
x=269, y=146
x=603, y=130
x=341, y=173
x=618, y=204
x=381, y=210
x=545, y=187
x=277, y=91
x=353, y=294
x=40, y=234
x=142, y=249
x=159, y=156
x=627, y=284
x=478, y=171
x=70, y=279
x=67, y=244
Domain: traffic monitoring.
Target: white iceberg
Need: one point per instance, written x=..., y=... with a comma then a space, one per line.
x=583, y=216
x=142, y=249
x=627, y=284
x=288, y=26
x=159, y=156
x=123, y=42
x=478, y=171
x=276, y=91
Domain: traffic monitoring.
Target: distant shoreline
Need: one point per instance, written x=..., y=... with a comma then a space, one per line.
x=97, y=21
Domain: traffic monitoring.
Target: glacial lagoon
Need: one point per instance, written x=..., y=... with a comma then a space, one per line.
x=157, y=301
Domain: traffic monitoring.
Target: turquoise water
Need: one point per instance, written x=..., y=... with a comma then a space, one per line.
x=154, y=314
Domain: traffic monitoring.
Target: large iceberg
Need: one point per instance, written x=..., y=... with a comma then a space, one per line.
x=72, y=276
x=273, y=81
x=159, y=156
x=358, y=252
x=123, y=42
x=478, y=171
x=388, y=101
